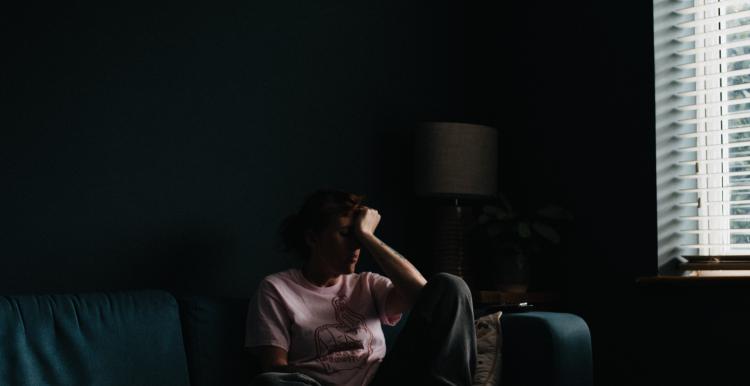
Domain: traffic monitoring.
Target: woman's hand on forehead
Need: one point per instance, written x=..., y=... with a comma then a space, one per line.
x=365, y=220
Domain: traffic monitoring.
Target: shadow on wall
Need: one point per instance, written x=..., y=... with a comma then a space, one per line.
x=183, y=260
x=186, y=260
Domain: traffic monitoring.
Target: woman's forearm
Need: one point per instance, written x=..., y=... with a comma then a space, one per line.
x=407, y=280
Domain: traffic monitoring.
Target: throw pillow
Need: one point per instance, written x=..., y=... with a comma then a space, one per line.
x=489, y=344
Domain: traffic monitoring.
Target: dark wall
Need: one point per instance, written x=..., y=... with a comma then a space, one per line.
x=570, y=86
x=572, y=95
x=160, y=146
x=690, y=333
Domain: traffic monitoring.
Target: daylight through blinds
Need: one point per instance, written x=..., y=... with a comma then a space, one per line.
x=710, y=126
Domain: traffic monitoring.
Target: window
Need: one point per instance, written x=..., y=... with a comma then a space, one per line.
x=702, y=74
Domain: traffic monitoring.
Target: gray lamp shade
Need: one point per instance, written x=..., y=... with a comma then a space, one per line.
x=455, y=159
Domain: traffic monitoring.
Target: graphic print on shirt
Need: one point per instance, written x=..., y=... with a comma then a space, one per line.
x=346, y=344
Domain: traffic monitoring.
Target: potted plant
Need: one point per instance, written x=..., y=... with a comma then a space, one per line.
x=507, y=242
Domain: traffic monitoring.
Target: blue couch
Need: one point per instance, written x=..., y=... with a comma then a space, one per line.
x=155, y=338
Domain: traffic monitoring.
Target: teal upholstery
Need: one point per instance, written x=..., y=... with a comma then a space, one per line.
x=539, y=348
x=214, y=335
x=546, y=349
x=136, y=338
x=129, y=338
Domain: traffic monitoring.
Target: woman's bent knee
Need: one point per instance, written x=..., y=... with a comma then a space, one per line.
x=449, y=281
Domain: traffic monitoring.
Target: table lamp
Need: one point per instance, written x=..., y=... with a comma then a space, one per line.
x=455, y=164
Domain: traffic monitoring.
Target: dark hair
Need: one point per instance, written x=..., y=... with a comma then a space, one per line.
x=319, y=210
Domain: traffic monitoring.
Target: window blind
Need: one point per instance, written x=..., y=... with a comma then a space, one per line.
x=702, y=72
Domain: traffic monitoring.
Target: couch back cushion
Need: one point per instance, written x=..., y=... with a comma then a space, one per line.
x=214, y=334
x=121, y=338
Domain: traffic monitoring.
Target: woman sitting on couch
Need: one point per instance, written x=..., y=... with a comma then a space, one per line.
x=321, y=325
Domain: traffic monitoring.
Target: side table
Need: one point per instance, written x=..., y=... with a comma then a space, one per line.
x=486, y=301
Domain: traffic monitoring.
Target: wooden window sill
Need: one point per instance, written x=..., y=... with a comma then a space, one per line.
x=730, y=279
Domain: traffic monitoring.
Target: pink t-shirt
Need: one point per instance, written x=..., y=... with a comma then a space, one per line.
x=332, y=332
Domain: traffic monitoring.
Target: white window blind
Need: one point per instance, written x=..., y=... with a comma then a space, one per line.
x=702, y=73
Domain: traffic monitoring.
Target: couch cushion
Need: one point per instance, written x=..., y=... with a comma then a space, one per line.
x=489, y=355
x=124, y=338
x=214, y=334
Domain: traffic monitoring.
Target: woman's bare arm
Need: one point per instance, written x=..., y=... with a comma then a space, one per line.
x=275, y=359
x=272, y=358
x=407, y=280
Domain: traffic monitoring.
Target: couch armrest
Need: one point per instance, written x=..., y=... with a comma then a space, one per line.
x=546, y=348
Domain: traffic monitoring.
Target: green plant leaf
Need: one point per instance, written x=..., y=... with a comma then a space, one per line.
x=499, y=213
x=547, y=232
x=520, y=261
x=554, y=212
x=490, y=209
x=494, y=230
x=524, y=230
x=502, y=215
x=505, y=202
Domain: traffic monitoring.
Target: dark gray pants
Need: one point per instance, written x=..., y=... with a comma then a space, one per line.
x=437, y=346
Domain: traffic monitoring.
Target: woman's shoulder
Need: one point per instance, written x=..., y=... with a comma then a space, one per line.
x=282, y=278
x=370, y=275
x=367, y=276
